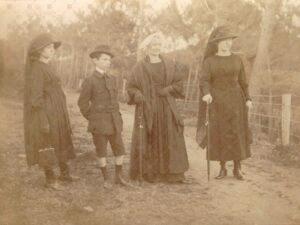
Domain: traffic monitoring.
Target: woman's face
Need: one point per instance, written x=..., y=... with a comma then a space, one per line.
x=48, y=52
x=225, y=45
x=154, y=48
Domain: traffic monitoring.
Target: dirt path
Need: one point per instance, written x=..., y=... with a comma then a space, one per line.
x=270, y=195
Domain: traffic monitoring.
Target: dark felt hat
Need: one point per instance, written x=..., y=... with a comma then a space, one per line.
x=42, y=41
x=101, y=49
x=221, y=33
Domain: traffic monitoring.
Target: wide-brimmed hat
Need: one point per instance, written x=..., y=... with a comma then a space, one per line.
x=42, y=41
x=221, y=33
x=101, y=49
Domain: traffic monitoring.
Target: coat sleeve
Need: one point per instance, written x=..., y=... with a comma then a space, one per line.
x=37, y=95
x=132, y=85
x=205, y=78
x=202, y=105
x=84, y=98
x=37, y=88
x=176, y=89
x=243, y=81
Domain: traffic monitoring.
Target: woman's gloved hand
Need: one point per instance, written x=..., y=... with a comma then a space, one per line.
x=139, y=98
x=165, y=91
x=207, y=98
x=249, y=104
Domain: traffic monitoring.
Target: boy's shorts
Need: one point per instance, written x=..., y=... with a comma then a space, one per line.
x=115, y=140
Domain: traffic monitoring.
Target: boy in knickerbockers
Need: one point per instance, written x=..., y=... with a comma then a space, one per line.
x=98, y=103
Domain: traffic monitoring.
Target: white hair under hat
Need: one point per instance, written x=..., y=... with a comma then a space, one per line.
x=150, y=38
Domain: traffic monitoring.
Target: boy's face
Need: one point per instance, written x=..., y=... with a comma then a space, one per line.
x=48, y=52
x=103, y=62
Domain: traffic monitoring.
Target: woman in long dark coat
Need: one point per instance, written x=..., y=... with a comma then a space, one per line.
x=224, y=87
x=46, y=119
x=153, y=87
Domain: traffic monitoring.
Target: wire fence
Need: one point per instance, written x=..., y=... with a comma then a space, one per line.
x=276, y=117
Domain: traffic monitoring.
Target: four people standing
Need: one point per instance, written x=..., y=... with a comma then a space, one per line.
x=158, y=150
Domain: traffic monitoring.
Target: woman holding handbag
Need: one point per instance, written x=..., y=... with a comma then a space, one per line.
x=46, y=120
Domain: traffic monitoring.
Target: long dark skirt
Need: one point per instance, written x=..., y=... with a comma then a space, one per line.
x=230, y=136
x=164, y=156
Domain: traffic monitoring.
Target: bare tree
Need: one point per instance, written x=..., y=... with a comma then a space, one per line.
x=260, y=75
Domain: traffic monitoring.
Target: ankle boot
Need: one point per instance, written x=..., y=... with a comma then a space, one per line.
x=237, y=170
x=51, y=180
x=223, y=171
x=106, y=183
x=119, y=176
x=65, y=173
x=49, y=175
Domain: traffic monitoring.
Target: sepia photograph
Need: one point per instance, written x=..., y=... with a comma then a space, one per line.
x=150, y=112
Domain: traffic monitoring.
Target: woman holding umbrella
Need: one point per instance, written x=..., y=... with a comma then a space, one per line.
x=223, y=86
x=158, y=149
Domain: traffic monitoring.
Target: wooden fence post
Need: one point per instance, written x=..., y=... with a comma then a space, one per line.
x=270, y=113
x=286, y=119
x=124, y=83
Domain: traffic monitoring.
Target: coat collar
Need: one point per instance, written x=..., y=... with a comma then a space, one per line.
x=100, y=70
x=169, y=67
x=101, y=75
x=98, y=74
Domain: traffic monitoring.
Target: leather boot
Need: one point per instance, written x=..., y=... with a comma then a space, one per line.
x=51, y=181
x=223, y=170
x=119, y=176
x=237, y=170
x=65, y=173
x=106, y=183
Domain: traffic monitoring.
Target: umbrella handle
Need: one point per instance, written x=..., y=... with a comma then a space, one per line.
x=208, y=141
x=140, y=108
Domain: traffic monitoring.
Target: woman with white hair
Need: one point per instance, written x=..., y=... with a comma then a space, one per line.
x=153, y=86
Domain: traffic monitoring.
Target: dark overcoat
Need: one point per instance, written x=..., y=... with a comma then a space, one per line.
x=45, y=104
x=141, y=82
x=224, y=78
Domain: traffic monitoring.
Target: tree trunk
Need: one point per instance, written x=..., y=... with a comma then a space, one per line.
x=140, y=28
x=260, y=76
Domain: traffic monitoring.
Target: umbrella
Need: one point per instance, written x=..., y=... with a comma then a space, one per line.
x=208, y=141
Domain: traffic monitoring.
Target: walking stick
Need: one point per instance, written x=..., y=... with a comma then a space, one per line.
x=140, y=127
x=208, y=141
